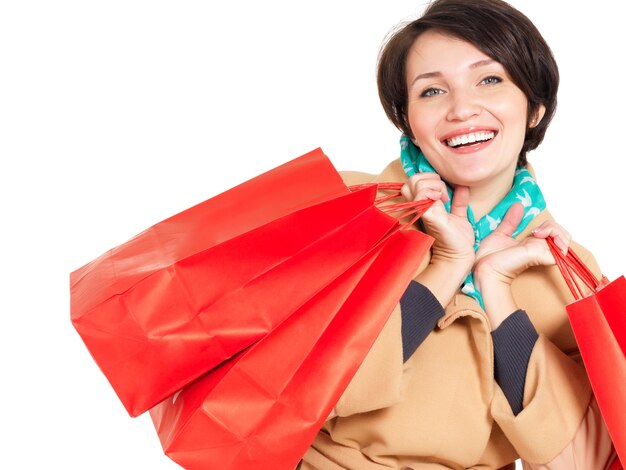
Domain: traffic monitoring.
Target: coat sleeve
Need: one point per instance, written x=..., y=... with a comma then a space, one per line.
x=382, y=366
x=590, y=448
x=560, y=422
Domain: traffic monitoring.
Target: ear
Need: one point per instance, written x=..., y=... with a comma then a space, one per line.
x=536, y=119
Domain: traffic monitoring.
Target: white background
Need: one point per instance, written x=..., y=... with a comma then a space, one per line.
x=115, y=115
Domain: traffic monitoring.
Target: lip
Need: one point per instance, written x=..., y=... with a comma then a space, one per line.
x=467, y=130
x=472, y=148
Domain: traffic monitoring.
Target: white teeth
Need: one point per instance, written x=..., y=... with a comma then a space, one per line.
x=470, y=138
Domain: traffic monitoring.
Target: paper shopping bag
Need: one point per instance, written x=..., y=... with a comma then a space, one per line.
x=173, y=326
x=263, y=408
x=598, y=321
x=178, y=299
x=299, y=183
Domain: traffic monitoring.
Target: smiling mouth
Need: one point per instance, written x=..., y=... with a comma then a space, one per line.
x=469, y=139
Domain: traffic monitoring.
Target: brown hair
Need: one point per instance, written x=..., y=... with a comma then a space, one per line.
x=498, y=30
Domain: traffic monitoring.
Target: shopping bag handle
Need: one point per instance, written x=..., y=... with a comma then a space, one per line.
x=572, y=267
x=395, y=189
x=400, y=210
x=616, y=465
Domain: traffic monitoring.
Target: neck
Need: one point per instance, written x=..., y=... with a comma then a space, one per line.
x=483, y=198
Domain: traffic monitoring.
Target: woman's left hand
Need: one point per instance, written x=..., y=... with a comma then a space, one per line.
x=501, y=258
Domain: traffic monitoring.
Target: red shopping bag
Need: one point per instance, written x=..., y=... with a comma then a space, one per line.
x=164, y=308
x=263, y=408
x=599, y=324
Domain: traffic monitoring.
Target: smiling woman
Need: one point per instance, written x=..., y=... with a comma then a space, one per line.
x=115, y=115
x=469, y=117
x=477, y=366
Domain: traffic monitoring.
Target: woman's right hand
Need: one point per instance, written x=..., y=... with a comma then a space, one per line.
x=453, y=249
x=453, y=234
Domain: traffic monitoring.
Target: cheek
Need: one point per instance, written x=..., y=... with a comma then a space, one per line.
x=512, y=112
x=422, y=125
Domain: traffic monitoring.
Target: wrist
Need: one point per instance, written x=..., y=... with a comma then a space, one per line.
x=485, y=274
x=456, y=264
x=497, y=297
x=443, y=276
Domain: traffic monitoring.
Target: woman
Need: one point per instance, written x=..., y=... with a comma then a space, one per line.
x=477, y=366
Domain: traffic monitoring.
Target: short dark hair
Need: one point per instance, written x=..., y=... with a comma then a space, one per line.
x=498, y=30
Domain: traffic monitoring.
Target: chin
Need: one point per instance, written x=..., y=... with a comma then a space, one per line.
x=470, y=178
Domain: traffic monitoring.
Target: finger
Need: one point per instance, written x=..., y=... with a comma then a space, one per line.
x=549, y=228
x=433, y=194
x=561, y=237
x=407, y=192
x=511, y=220
x=445, y=197
x=561, y=244
x=430, y=189
x=460, y=201
x=432, y=181
x=410, y=188
x=538, y=252
x=413, y=180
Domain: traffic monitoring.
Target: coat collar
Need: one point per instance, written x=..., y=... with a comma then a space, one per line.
x=461, y=305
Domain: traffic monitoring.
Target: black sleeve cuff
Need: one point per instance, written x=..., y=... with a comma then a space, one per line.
x=420, y=311
x=513, y=342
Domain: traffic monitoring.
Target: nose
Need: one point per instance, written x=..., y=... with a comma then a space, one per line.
x=463, y=106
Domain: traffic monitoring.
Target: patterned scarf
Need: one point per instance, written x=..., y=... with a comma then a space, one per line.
x=524, y=190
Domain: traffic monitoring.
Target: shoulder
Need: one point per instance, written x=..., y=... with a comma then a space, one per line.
x=392, y=173
x=356, y=177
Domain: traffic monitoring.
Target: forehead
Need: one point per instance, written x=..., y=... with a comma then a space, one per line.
x=434, y=51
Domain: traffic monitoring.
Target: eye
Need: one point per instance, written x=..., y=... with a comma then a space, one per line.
x=491, y=80
x=431, y=92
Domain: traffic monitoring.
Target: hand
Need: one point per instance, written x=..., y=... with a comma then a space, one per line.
x=501, y=238
x=453, y=249
x=453, y=234
x=501, y=258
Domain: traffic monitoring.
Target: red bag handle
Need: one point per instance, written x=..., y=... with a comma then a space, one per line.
x=394, y=187
x=406, y=209
x=616, y=465
x=572, y=267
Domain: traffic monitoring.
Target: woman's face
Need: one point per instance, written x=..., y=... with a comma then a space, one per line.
x=466, y=114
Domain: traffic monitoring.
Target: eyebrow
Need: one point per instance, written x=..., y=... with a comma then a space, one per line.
x=475, y=65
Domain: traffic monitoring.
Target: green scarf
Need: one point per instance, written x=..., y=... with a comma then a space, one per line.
x=524, y=190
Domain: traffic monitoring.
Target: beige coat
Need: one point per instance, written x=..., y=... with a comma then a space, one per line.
x=442, y=408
